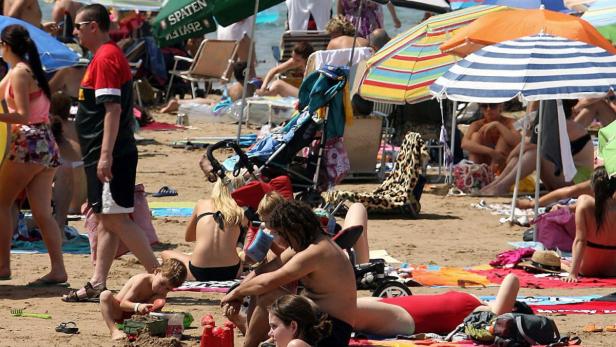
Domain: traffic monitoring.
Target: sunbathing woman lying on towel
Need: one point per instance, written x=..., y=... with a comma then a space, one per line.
x=440, y=313
x=594, y=247
x=215, y=229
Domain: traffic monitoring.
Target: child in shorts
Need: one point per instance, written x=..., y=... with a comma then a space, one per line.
x=138, y=294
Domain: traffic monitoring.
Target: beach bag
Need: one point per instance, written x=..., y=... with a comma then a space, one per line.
x=141, y=216
x=336, y=161
x=476, y=326
x=468, y=176
x=556, y=229
x=524, y=330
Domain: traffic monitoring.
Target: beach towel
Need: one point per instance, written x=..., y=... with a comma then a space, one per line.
x=76, y=245
x=337, y=57
x=409, y=343
x=171, y=208
x=543, y=281
x=590, y=307
x=206, y=286
x=436, y=276
x=161, y=126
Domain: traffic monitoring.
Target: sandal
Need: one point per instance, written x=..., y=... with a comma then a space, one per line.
x=67, y=328
x=90, y=294
x=165, y=191
x=611, y=328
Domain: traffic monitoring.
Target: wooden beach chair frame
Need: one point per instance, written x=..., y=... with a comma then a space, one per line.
x=214, y=61
x=316, y=38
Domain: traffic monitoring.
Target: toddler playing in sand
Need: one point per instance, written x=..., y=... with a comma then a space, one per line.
x=138, y=294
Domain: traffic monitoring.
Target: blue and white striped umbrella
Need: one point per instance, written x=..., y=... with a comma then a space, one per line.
x=539, y=67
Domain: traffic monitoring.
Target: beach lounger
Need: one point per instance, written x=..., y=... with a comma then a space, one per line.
x=214, y=61
x=400, y=192
x=317, y=39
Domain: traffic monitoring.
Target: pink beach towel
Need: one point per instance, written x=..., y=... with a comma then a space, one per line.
x=528, y=280
x=206, y=286
x=161, y=126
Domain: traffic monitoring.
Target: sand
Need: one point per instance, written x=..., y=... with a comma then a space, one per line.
x=449, y=232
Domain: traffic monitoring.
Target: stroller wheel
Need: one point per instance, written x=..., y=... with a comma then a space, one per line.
x=390, y=289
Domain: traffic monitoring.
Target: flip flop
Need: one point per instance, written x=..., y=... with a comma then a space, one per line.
x=67, y=328
x=42, y=282
x=165, y=191
x=611, y=328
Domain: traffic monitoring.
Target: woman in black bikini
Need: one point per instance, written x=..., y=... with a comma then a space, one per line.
x=215, y=229
x=594, y=247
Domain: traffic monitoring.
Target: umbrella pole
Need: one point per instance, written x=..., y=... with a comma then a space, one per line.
x=361, y=5
x=246, y=75
x=454, y=119
x=538, y=163
x=516, y=186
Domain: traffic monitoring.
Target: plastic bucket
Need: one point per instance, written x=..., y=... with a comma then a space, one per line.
x=175, y=323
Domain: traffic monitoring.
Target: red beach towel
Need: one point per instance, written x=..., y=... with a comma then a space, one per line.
x=528, y=280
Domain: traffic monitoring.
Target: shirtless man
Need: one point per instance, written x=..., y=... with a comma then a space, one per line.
x=341, y=32
x=313, y=258
x=27, y=10
x=489, y=139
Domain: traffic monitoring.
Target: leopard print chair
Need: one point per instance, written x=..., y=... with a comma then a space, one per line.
x=395, y=195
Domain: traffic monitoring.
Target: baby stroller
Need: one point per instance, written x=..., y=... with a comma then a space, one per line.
x=276, y=154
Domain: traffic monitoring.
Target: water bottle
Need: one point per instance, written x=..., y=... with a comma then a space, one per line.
x=261, y=244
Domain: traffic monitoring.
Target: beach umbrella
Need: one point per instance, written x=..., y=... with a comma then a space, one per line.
x=516, y=23
x=128, y=5
x=539, y=67
x=607, y=147
x=602, y=15
x=436, y=6
x=402, y=70
x=53, y=53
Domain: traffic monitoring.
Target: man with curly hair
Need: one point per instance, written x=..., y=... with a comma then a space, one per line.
x=312, y=257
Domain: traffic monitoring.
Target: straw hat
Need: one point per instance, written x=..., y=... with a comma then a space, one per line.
x=543, y=261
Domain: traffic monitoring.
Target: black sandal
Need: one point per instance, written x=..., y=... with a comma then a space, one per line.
x=67, y=328
x=91, y=294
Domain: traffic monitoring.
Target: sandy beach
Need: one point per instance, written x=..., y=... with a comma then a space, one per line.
x=449, y=232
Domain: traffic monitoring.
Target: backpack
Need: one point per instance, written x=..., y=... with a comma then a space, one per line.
x=524, y=330
x=476, y=326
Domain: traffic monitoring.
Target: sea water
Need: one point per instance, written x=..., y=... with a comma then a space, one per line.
x=271, y=25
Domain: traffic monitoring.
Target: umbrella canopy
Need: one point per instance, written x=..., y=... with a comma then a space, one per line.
x=53, y=53
x=126, y=5
x=539, y=67
x=607, y=147
x=515, y=23
x=460, y=4
x=179, y=20
x=602, y=15
x=436, y=6
x=404, y=68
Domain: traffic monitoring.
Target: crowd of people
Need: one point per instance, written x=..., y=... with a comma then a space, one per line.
x=93, y=158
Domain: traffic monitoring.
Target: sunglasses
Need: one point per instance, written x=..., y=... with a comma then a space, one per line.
x=80, y=24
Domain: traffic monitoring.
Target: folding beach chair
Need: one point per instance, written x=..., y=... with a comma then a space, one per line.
x=317, y=39
x=214, y=61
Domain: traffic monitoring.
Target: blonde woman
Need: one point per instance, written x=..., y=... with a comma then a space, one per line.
x=215, y=229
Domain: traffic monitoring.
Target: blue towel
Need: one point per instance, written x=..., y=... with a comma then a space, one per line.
x=77, y=245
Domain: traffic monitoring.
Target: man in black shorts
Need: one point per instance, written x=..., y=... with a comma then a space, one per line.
x=105, y=126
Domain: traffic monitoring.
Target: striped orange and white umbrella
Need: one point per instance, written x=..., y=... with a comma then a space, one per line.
x=402, y=71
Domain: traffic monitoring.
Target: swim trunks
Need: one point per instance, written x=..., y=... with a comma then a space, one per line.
x=339, y=336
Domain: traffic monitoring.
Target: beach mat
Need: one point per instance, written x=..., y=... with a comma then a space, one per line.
x=539, y=300
x=161, y=126
x=408, y=343
x=589, y=307
x=441, y=276
x=206, y=286
x=171, y=208
x=528, y=280
x=76, y=245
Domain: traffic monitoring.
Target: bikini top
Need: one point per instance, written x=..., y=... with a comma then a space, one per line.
x=600, y=246
x=39, y=105
x=578, y=144
x=219, y=219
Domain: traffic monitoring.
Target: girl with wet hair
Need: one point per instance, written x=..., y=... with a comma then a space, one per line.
x=296, y=322
x=33, y=155
x=594, y=247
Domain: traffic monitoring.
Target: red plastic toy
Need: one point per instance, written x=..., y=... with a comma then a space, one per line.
x=214, y=336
